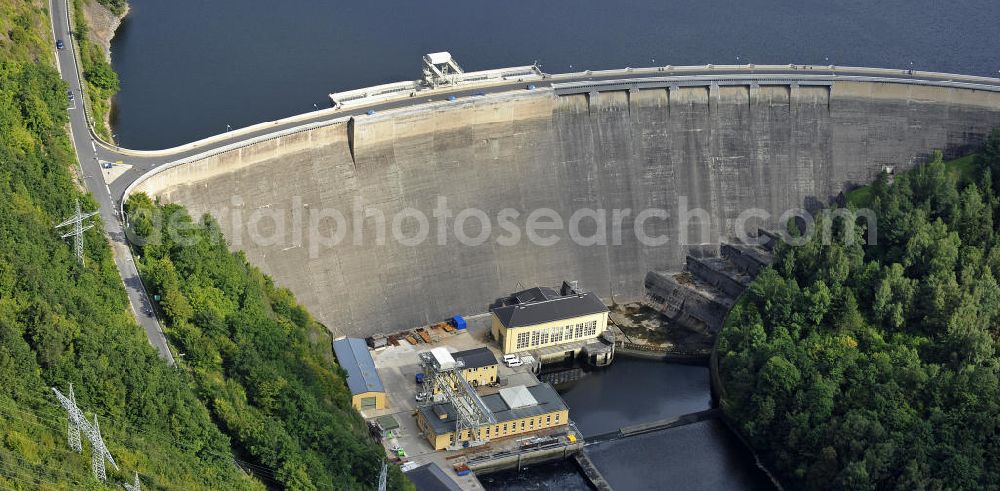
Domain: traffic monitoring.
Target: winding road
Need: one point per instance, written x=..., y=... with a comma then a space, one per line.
x=91, y=150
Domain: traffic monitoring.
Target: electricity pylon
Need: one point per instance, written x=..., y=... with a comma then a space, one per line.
x=383, y=476
x=76, y=419
x=98, y=451
x=78, y=229
x=77, y=423
x=135, y=485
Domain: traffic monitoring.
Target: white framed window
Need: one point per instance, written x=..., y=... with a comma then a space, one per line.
x=557, y=334
x=522, y=340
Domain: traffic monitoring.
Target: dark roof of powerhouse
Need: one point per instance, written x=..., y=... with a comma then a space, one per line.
x=545, y=305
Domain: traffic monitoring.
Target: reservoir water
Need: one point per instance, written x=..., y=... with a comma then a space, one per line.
x=190, y=67
x=704, y=455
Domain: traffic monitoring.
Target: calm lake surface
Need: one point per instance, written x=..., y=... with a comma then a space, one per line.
x=190, y=67
x=635, y=391
x=703, y=455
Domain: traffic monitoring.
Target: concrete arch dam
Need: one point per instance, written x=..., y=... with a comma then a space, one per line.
x=723, y=146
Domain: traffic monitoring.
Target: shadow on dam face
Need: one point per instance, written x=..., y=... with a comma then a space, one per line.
x=310, y=208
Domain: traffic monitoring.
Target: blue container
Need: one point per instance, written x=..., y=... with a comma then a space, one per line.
x=420, y=377
x=459, y=322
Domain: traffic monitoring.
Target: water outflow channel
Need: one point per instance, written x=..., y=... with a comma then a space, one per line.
x=703, y=455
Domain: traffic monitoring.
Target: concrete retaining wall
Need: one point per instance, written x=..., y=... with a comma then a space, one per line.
x=723, y=149
x=715, y=276
x=749, y=259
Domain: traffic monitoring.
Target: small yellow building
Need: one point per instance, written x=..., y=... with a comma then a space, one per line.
x=480, y=366
x=366, y=387
x=541, y=317
x=518, y=410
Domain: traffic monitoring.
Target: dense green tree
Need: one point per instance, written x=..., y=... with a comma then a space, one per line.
x=989, y=157
x=64, y=323
x=264, y=367
x=876, y=366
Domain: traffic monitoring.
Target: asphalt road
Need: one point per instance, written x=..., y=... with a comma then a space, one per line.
x=90, y=151
x=88, y=154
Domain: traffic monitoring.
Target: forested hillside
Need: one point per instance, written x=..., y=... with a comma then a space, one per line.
x=62, y=323
x=255, y=363
x=853, y=366
x=263, y=365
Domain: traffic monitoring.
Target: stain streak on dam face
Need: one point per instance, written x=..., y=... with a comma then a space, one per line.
x=724, y=149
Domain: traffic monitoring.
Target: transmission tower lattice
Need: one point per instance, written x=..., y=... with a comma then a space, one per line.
x=75, y=416
x=448, y=382
x=383, y=476
x=98, y=451
x=78, y=229
x=135, y=485
x=77, y=423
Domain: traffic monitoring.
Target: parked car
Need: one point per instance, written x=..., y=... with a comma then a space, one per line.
x=531, y=87
x=509, y=358
x=371, y=112
x=72, y=97
x=451, y=98
x=60, y=44
x=515, y=363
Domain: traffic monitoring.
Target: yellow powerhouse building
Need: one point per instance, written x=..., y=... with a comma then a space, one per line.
x=362, y=378
x=480, y=366
x=518, y=410
x=541, y=317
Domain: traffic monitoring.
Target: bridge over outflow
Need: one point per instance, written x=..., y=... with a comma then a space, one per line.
x=722, y=143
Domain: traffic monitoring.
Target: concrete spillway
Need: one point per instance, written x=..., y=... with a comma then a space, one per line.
x=723, y=148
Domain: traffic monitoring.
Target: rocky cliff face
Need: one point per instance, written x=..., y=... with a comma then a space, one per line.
x=102, y=24
x=718, y=149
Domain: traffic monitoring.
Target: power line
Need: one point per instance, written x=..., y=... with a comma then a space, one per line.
x=143, y=435
x=23, y=475
x=46, y=467
x=53, y=470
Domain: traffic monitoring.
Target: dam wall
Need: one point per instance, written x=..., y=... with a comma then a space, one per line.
x=718, y=148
